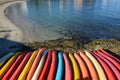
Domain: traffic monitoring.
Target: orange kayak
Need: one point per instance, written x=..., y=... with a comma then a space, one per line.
x=117, y=64
x=46, y=67
x=92, y=70
x=75, y=66
x=106, y=67
x=5, y=68
x=40, y=66
x=106, y=53
x=53, y=67
x=98, y=67
x=20, y=67
x=112, y=66
x=83, y=67
x=35, y=64
x=68, y=68
x=14, y=66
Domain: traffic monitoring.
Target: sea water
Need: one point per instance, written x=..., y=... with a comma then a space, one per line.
x=53, y=19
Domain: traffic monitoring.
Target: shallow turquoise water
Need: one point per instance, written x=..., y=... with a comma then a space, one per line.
x=69, y=18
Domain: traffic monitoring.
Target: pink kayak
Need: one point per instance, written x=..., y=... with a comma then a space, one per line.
x=68, y=68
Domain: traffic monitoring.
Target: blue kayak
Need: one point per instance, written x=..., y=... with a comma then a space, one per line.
x=60, y=68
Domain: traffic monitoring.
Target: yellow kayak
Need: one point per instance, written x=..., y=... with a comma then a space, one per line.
x=5, y=68
x=98, y=67
x=26, y=69
x=75, y=67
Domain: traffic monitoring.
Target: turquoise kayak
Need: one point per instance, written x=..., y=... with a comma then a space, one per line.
x=60, y=68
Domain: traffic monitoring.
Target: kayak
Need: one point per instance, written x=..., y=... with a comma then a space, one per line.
x=14, y=66
x=5, y=58
x=75, y=66
x=53, y=67
x=40, y=66
x=27, y=67
x=5, y=68
x=60, y=68
x=20, y=67
x=35, y=64
x=92, y=70
x=98, y=67
x=112, y=66
x=46, y=67
x=117, y=64
x=68, y=68
x=109, y=73
x=83, y=67
x=106, y=53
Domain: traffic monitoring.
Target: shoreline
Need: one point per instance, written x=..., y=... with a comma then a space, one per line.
x=8, y=30
x=72, y=45
x=30, y=31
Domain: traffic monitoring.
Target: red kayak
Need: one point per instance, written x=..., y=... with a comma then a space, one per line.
x=68, y=68
x=109, y=73
x=53, y=67
x=46, y=67
x=112, y=66
x=117, y=64
x=20, y=67
x=83, y=67
x=14, y=66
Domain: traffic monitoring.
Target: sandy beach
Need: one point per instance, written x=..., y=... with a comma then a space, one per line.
x=7, y=29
